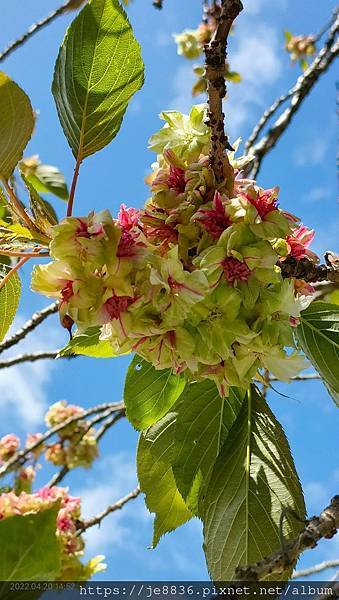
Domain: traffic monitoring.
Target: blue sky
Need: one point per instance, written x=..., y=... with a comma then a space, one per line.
x=303, y=165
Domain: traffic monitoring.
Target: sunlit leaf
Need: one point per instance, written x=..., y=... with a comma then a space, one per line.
x=318, y=335
x=16, y=124
x=154, y=461
x=252, y=482
x=98, y=70
x=149, y=394
x=9, y=301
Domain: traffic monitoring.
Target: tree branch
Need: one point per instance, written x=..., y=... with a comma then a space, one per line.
x=307, y=270
x=69, y=5
x=117, y=415
x=215, y=59
x=316, y=528
x=37, y=318
x=327, y=564
x=20, y=457
x=23, y=358
x=279, y=101
x=298, y=93
x=110, y=509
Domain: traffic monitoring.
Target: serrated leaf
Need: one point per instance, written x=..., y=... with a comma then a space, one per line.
x=88, y=343
x=252, y=482
x=318, y=336
x=48, y=179
x=154, y=462
x=203, y=423
x=9, y=302
x=149, y=394
x=98, y=69
x=43, y=214
x=29, y=549
x=16, y=124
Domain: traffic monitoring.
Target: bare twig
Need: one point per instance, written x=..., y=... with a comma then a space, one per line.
x=67, y=6
x=282, y=99
x=19, y=457
x=307, y=377
x=327, y=564
x=215, y=54
x=110, y=509
x=297, y=95
x=316, y=528
x=109, y=423
x=23, y=358
x=37, y=318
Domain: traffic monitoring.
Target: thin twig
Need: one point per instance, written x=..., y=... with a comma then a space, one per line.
x=20, y=456
x=297, y=94
x=37, y=318
x=60, y=475
x=316, y=528
x=23, y=358
x=69, y=5
x=215, y=65
x=279, y=101
x=13, y=270
x=327, y=564
x=110, y=509
x=307, y=377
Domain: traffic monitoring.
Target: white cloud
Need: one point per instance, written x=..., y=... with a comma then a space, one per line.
x=120, y=473
x=312, y=152
x=23, y=387
x=318, y=193
x=256, y=56
x=254, y=7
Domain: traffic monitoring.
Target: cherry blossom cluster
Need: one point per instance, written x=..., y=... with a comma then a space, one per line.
x=68, y=518
x=191, y=281
x=300, y=48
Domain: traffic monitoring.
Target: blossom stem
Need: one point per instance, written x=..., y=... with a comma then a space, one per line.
x=74, y=185
x=13, y=270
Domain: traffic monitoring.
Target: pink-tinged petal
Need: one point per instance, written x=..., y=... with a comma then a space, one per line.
x=116, y=305
x=128, y=217
x=235, y=270
x=265, y=201
x=214, y=220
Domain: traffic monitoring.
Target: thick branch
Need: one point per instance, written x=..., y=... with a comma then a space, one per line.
x=29, y=326
x=110, y=509
x=298, y=93
x=69, y=5
x=215, y=53
x=316, y=528
x=19, y=457
x=307, y=270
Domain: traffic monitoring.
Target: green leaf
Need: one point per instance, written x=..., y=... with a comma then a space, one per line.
x=154, y=460
x=252, y=482
x=29, y=549
x=43, y=213
x=318, y=336
x=48, y=179
x=149, y=394
x=16, y=124
x=288, y=36
x=98, y=69
x=9, y=302
x=88, y=343
x=203, y=423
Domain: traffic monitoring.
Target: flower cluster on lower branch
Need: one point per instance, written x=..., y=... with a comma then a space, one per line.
x=190, y=281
